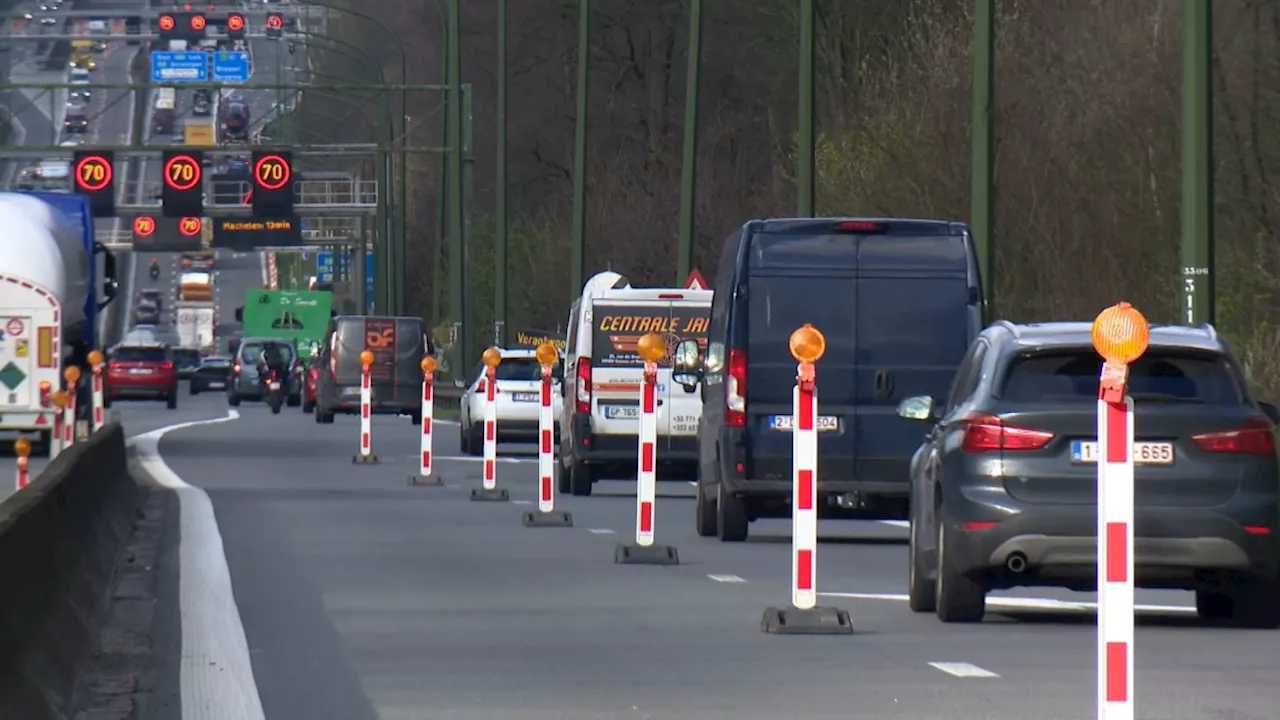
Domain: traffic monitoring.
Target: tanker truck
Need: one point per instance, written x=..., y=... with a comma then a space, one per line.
x=44, y=286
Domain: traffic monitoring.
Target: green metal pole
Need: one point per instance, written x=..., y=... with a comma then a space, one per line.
x=578, y=261
x=1198, y=292
x=441, y=185
x=500, y=236
x=982, y=188
x=689, y=163
x=805, y=159
x=469, y=353
x=454, y=215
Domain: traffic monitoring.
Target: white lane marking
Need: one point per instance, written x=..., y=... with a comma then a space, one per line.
x=507, y=460
x=1015, y=603
x=521, y=502
x=896, y=523
x=600, y=531
x=963, y=670
x=216, y=677
x=726, y=578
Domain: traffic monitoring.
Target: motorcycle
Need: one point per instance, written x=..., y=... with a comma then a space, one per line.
x=275, y=392
x=155, y=271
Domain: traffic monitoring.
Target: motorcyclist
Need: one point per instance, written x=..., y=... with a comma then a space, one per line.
x=273, y=358
x=155, y=269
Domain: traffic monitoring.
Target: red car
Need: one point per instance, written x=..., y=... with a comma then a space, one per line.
x=310, y=377
x=141, y=372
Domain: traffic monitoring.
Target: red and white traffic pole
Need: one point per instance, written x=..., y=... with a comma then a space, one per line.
x=546, y=516
x=59, y=400
x=804, y=617
x=99, y=411
x=1120, y=335
x=490, y=492
x=72, y=375
x=651, y=348
x=22, y=448
x=366, y=456
x=424, y=476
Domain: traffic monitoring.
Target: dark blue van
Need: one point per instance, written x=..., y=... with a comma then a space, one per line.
x=899, y=302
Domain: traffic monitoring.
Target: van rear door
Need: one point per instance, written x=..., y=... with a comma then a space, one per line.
x=689, y=321
x=917, y=312
x=616, y=369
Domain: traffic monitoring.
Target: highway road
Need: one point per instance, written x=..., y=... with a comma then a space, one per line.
x=361, y=597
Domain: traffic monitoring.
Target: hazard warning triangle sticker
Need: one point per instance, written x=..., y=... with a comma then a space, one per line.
x=695, y=281
x=40, y=419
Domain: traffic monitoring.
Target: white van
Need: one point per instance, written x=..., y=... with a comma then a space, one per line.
x=600, y=415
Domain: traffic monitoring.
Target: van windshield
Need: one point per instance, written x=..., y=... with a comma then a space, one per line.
x=779, y=305
x=1072, y=376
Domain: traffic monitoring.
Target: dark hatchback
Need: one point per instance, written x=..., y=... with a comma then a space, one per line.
x=1004, y=487
x=212, y=374
x=186, y=360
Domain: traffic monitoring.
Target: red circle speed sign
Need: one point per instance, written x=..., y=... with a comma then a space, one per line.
x=182, y=172
x=272, y=172
x=235, y=23
x=167, y=22
x=93, y=173
x=144, y=225
x=197, y=22
x=190, y=226
x=275, y=22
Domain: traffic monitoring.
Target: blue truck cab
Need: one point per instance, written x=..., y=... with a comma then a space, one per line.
x=899, y=302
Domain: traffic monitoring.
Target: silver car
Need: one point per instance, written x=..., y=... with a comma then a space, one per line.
x=245, y=383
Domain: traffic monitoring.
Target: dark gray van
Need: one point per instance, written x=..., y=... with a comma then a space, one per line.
x=899, y=301
x=398, y=345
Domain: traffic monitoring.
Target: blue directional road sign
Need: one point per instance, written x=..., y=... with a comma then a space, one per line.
x=179, y=66
x=231, y=66
x=325, y=268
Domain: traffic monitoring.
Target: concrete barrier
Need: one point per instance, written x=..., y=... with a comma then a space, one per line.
x=59, y=542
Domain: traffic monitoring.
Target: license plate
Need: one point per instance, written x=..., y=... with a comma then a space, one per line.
x=139, y=371
x=275, y=386
x=1144, y=453
x=826, y=423
x=217, y=386
x=622, y=412
x=525, y=397
x=350, y=390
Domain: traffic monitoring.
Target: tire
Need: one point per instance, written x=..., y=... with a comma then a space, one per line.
x=294, y=400
x=172, y=400
x=732, y=524
x=323, y=417
x=106, y=401
x=1256, y=604
x=580, y=479
x=43, y=447
x=475, y=440
x=275, y=408
x=922, y=593
x=1213, y=605
x=193, y=388
x=416, y=419
x=308, y=407
x=958, y=598
x=233, y=399
x=464, y=444
x=705, y=509
x=564, y=486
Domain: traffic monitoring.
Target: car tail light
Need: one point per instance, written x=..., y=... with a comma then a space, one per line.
x=859, y=226
x=235, y=369
x=670, y=296
x=984, y=433
x=166, y=366
x=735, y=396
x=46, y=389
x=1252, y=437
x=582, y=401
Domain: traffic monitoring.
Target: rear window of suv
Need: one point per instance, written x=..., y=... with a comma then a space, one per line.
x=147, y=355
x=1158, y=376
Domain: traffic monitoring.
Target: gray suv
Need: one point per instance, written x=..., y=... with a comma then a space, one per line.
x=1004, y=486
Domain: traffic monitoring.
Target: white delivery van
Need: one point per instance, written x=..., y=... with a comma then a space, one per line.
x=600, y=415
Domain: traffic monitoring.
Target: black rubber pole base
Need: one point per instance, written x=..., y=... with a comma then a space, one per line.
x=426, y=480
x=494, y=495
x=633, y=554
x=555, y=518
x=359, y=459
x=816, y=621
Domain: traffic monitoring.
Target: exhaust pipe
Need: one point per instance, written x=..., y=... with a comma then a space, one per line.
x=1016, y=563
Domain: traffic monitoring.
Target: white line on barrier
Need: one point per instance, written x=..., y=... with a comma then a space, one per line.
x=216, y=676
x=963, y=670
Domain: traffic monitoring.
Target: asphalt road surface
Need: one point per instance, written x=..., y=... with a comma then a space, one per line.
x=361, y=597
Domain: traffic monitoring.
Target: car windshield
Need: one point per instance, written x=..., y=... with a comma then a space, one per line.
x=146, y=355
x=251, y=352
x=1158, y=376
x=522, y=368
x=186, y=358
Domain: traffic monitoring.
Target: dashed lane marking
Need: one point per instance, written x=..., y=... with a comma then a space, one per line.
x=521, y=502
x=1017, y=603
x=600, y=531
x=726, y=578
x=963, y=670
x=896, y=523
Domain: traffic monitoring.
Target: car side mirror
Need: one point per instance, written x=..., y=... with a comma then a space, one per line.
x=920, y=407
x=1271, y=411
x=687, y=368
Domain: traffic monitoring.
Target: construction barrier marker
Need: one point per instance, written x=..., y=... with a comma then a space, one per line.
x=1120, y=335
x=804, y=617
x=651, y=348
x=59, y=400
x=490, y=492
x=21, y=448
x=99, y=411
x=72, y=376
x=365, y=456
x=424, y=476
x=547, y=515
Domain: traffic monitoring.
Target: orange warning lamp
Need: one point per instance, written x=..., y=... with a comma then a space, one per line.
x=428, y=365
x=546, y=354
x=95, y=358
x=1121, y=334
x=491, y=357
x=651, y=347
x=807, y=344
x=366, y=358
x=72, y=375
x=59, y=398
x=22, y=447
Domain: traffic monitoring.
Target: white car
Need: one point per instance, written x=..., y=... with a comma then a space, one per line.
x=517, y=400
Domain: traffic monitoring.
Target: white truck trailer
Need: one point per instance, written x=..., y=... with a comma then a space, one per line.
x=196, y=322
